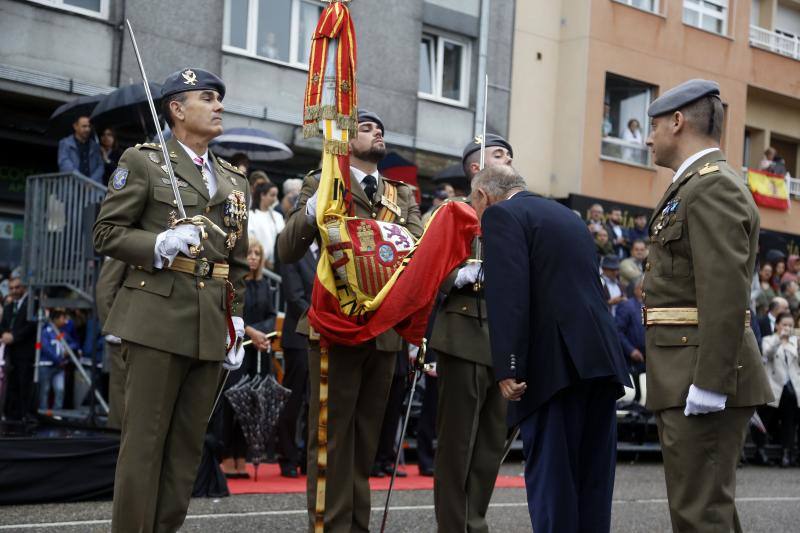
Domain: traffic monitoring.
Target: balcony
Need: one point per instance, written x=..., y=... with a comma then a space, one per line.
x=775, y=42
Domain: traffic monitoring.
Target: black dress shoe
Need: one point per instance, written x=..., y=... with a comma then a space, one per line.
x=427, y=472
x=786, y=460
x=376, y=471
x=288, y=471
x=761, y=457
x=389, y=468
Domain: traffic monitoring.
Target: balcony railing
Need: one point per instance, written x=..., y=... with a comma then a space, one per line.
x=775, y=42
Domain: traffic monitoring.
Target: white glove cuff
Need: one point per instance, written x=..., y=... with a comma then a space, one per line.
x=158, y=261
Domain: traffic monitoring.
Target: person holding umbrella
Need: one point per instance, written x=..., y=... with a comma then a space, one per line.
x=79, y=152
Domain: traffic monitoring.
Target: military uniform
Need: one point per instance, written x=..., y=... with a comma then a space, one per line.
x=112, y=274
x=359, y=377
x=703, y=246
x=172, y=322
x=471, y=411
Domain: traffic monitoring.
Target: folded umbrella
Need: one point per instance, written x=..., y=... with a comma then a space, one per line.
x=257, y=145
x=60, y=122
x=126, y=106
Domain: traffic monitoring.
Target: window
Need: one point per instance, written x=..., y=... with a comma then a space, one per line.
x=278, y=30
x=94, y=8
x=444, y=69
x=625, y=125
x=645, y=5
x=710, y=15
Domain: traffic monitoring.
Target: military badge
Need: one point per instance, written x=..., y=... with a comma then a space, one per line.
x=119, y=178
x=667, y=215
x=378, y=248
x=153, y=156
x=234, y=213
x=189, y=77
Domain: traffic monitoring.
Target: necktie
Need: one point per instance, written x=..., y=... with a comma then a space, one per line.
x=200, y=164
x=370, y=185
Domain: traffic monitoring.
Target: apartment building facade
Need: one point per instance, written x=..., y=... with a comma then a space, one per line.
x=588, y=69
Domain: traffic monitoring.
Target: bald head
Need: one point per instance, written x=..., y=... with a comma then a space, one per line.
x=493, y=184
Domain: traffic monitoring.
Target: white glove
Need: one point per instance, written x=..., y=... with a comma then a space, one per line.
x=468, y=275
x=113, y=339
x=311, y=206
x=235, y=356
x=701, y=401
x=173, y=241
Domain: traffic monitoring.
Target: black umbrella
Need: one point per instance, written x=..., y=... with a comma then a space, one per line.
x=60, y=122
x=126, y=106
x=257, y=145
x=454, y=175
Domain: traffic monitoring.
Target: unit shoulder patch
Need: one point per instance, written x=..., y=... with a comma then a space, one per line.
x=119, y=178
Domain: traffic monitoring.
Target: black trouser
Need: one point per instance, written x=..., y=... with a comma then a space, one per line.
x=426, y=426
x=19, y=386
x=386, y=453
x=295, y=377
x=785, y=416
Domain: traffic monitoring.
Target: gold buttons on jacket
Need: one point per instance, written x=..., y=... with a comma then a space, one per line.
x=208, y=209
x=201, y=285
x=374, y=215
x=142, y=284
x=647, y=266
x=402, y=220
x=464, y=308
x=684, y=340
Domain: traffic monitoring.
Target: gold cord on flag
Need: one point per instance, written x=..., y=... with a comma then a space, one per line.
x=322, y=440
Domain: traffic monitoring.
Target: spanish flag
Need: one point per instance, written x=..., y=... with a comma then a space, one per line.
x=769, y=190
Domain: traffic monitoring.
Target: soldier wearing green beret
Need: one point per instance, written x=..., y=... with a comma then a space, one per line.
x=178, y=311
x=471, y=411
x=704, y=372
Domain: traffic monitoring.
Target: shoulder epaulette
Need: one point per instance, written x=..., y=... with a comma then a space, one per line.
x=316, y=173
x=398, y=182
x=708, y=169
x=149, y=146
x=230, y=167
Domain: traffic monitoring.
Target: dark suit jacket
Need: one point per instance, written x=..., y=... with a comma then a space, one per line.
x=765, y=326
x=258, y=310
x=298, y=280
x=548, y=321
x=630, y=327
x=24, y=332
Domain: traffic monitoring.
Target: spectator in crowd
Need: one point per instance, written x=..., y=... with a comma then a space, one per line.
x=631, y=331
x=610, y=267
x=792, y=269
x=633, y=135
x=783, y=371
x=633, y=267
x=292, y=186
x=440, y=195
x=241, y=161
x=617, y=234
x=256, y=178
x=766, y=161
x=766, y=323
x=778, y=166
x=639, y=230
x=79, y=152
x=291, y=190
x=608, y=127
x=595, y=220
x=297, y=284
x=18, y=335
x=110, y=153
x=53, y=359
x=259, y=320
x=778, y=270
x=265, y=223
x=765, y=292
x=789, y=292
x=603, y=245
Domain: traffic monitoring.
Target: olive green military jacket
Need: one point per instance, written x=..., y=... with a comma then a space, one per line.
x=161, y=308
x=703, y=245
x=301, y=230
x=112, y=274
x=461, y=327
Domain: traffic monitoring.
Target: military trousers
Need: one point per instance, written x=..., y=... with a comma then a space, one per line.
x=471, y=429
x=116, y=385
x=168, y=400
x=359, y=378
x=700, y=457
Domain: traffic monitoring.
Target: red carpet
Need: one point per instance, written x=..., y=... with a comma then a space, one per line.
x=271, y=482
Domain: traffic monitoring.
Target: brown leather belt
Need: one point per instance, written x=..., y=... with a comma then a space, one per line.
x=676, y=316
x=201, y=268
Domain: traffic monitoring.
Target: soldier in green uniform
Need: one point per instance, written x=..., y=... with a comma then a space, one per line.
x=112, y=274
x=471, y=411
x=172, y=309
x=359, y=377
x=704, y=372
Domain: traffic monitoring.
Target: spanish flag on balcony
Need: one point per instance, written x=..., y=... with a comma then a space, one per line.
x=769, y=190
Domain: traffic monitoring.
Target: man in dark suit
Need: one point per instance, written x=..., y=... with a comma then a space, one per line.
x=766, y=323
x=555, y=350
x=298, y=281
x=19, y=338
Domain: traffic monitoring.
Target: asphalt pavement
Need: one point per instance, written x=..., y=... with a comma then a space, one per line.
x=768, y=500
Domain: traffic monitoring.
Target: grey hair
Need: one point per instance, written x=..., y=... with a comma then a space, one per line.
x=497, y=180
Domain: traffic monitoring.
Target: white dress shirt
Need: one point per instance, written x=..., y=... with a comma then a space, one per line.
x=212, y=177
x=689, y=160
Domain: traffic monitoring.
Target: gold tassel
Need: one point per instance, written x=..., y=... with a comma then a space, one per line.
x=311, y=130
x=322, y=441
x=335, y=147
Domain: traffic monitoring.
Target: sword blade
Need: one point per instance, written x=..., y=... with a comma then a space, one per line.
x=399, y=445
x=172, y=180
x=219, y=394
x=509, y=443
x=483, y=135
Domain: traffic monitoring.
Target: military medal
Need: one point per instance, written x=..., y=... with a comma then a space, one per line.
x=153, y=156
x=667, y=216
x=234, y=213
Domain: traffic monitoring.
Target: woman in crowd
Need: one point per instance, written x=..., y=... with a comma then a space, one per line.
x=783, y=371
x=259, y=319
x=265, y=223
x=765, y=293
x=110, y=153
